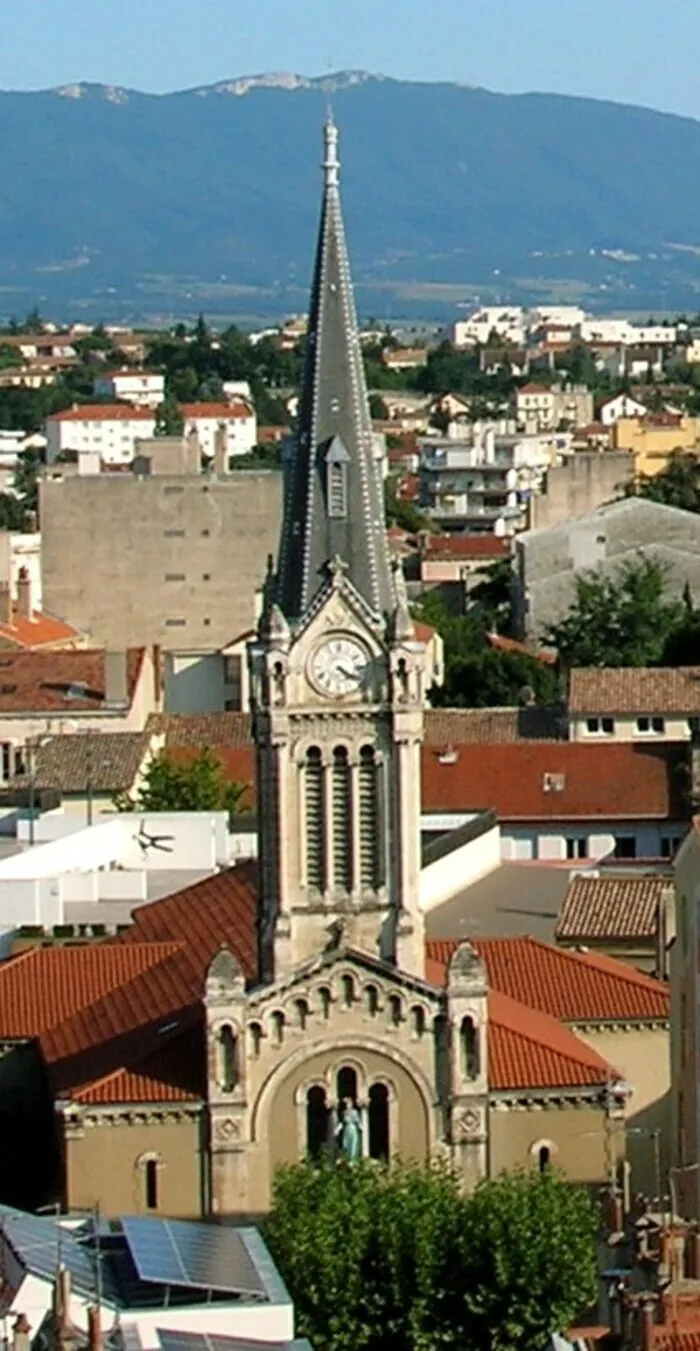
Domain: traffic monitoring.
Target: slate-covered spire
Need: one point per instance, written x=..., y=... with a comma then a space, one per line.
x=334, y=504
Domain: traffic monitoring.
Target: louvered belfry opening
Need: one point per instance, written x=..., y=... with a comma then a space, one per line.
x=315, y=821
x=342, y=820
x=368, y=806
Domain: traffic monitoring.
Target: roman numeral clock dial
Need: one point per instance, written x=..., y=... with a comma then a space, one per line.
x=339, y=666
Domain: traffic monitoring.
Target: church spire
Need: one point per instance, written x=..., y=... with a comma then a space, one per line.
x=333, y=492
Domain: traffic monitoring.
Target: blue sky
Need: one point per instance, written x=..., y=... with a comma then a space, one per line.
x=632, y=51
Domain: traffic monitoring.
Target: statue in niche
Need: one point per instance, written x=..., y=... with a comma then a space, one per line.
x=348, y=1132
x=278, y=683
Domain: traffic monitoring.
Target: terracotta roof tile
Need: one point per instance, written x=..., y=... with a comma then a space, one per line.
x=44, y=681
x=501, y=643
x=575, y=987
x=465, y=726
x=558, y=780
x=171, y=1073
x=108, y=762
x=221, y=411
x=103, y=412
x=635, y=689
x=41, y=630
x=611, y=908
x=466, y=546
x=196, y=730
x=43, y=987
x=528, y=1049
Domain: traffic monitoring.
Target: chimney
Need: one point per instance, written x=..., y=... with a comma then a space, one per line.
x=116, y=689
x=221, y=449
x=24, y=593
x=20, y=1334
x=5, y=603
x=94, y=1328
x=61, y=1303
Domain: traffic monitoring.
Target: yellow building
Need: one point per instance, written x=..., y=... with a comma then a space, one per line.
x=654, y=438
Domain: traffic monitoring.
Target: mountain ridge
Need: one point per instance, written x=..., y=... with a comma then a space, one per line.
x=208, y=198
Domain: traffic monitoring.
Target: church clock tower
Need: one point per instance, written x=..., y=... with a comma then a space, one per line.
x=336, y=670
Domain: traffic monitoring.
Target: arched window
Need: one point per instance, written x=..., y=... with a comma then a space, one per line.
x=227, y=1049
x=418, y=1020
x=348, y=985
x=469, y=1042
x=342, y=820
x=255, y=1033
x=346, y=1084
x=277, y=1023
x=442, y=1058
x=325, y=999
x=544, y=1158
x=301, y=1013
x=372, y=1000
x=369, y=819
x=317, y=1123
x=379, y=1121
x=150, y=1184
x=395, y=1010
x=315, y=821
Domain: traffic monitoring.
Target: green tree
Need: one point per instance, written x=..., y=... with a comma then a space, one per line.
x=494, y=595
x=619, y=620
x=678, y=484
x=197, y=785
x=169, y=419
x=399, y=512
x=400, y=1259
x=26, y=479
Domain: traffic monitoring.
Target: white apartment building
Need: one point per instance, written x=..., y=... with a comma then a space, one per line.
x=142, y=389
x=237, y=419
x=542, y=409
x=622, y=405
x=561, y=316
x=109, y=430
x=507, y=321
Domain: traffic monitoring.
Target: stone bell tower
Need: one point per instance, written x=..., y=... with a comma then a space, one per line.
x=337, y=675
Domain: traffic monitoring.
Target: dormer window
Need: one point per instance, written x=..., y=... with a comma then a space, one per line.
x=337, y=461
x=337, y=491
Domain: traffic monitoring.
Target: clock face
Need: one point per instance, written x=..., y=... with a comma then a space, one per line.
x=339, y=666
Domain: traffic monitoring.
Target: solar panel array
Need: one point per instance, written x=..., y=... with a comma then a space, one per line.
x=177, y=1340
x=42, y=1244
x=200, y=1256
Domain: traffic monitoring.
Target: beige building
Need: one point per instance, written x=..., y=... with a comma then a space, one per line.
x=630, y=703
x=167, y=559
x=543, y=408
x=653, y=439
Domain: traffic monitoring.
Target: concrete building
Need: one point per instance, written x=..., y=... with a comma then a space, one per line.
x=542, y=408
x=173, y=560
x=507, y=321
x=22, y=549
x=236, y=420
x=633, y=703
x=109, y=430
x=579, y=483
x=482, y=484
x=141, y=389
x=548, y=560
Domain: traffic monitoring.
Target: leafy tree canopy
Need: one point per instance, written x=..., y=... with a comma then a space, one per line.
x=620, y=620
x=678, y=484
x=400, y=1259
x=169, y=419
x=198, y=785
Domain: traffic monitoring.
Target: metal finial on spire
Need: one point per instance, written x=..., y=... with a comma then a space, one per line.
x=331, y=163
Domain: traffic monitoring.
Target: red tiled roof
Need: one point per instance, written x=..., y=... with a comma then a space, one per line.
x=466, y=546
x=611, y=908
x=43, y=987
x=40, y=630
x=574, y=987
x=486, y=726
x=103, y=412
x=503, y=644
x=172, y=1073
x=424, y=632
x=196, y=730
x=223, y=411
x=33, y=681
x=528, y=1049
x=635, y=689
x=533, y=388
x=558, y=780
